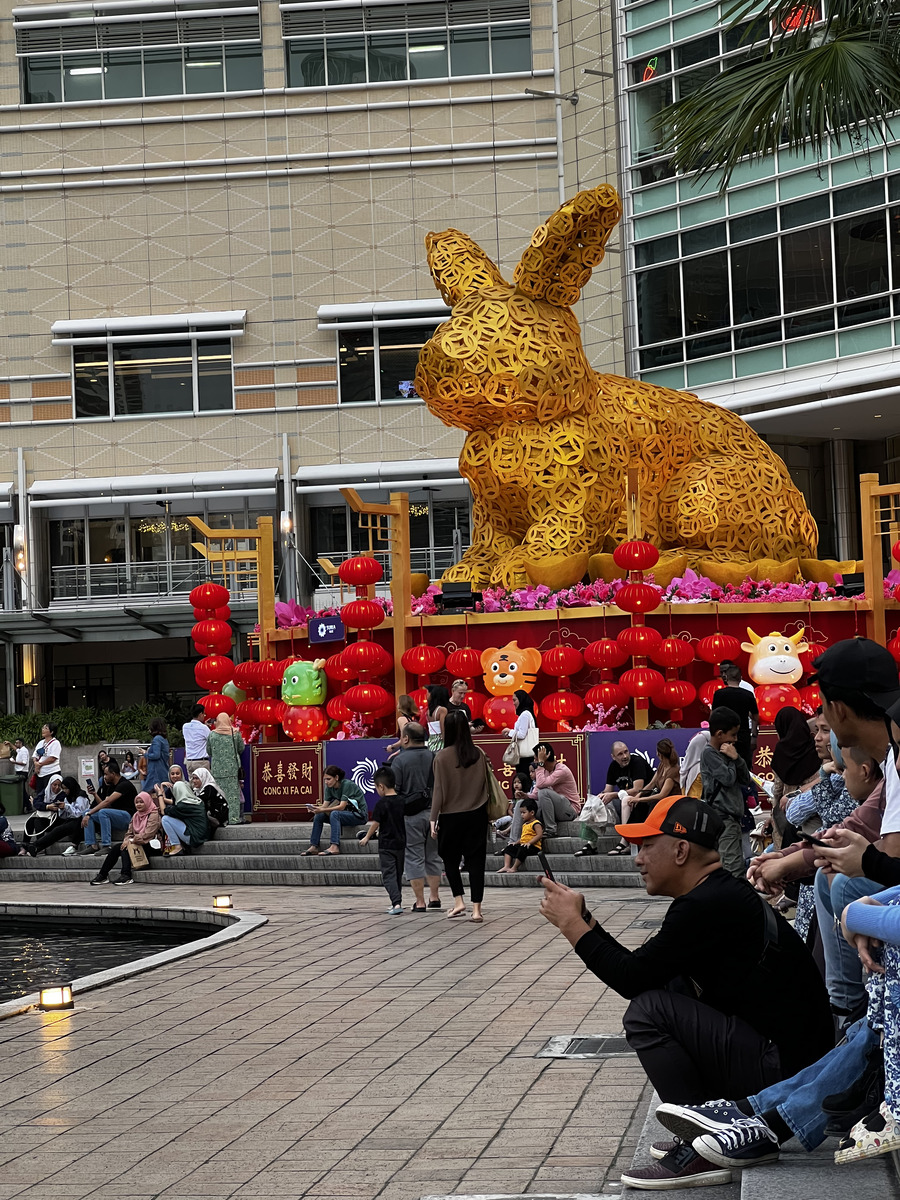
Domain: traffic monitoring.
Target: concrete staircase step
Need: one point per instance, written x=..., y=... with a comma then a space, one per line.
x=798, y=1175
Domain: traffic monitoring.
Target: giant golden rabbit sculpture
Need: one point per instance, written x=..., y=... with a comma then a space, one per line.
x=549, y=440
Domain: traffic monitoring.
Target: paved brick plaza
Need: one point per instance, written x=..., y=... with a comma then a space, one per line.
x=336, y=1052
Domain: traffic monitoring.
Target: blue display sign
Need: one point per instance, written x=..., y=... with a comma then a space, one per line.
x=327, y=629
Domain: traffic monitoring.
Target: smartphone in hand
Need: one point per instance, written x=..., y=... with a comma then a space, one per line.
x=545, y=866
x=814, y=841
x=89, y=784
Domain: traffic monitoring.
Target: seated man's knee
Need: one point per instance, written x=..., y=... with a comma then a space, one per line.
x=645, y=1010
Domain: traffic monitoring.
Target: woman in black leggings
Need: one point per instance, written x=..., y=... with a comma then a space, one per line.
x=459, y=812
x=72, y=804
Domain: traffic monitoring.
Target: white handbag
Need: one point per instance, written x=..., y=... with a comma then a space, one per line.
x=595, y=813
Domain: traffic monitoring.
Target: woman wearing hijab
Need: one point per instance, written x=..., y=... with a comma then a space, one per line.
x=525, y=734
x=143, y=831
x=184, y=819
x=795, y=764
x=225, y=749
x=46, y=814
x=70, y=804
x=215, y=802
x=157, y=755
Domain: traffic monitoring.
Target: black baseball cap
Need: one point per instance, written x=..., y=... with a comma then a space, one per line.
x=679, y=817
x=862, y=666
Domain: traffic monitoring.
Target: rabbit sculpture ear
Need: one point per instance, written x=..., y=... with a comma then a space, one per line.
x=459, y=266
x=567, y=247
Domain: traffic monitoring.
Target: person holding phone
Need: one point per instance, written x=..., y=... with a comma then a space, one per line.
x=111, y=808
x=701, y=1018
x=530, y=840
x=46, y=762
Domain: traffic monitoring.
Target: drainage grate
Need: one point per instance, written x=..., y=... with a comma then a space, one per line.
x=601, y=1045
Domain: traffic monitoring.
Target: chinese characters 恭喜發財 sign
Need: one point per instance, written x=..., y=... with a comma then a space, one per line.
x=286, y=780
x=570, y=748
x=326, y=629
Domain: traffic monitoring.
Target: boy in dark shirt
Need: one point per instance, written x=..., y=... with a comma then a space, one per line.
x=388, y=822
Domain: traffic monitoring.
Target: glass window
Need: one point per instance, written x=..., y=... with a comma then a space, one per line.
x=398, y=354
x=510, y=49
x=706, y=293
x=42, y=80
x=754, y=282
x=470, y=52
x=329, y=531
x=148, y=538
x=756, y=224
x=204, y=70
x=806, y=269
x=122, y=75
x=804, y=212
x=646, y=103
x=428, y=56
x=345, y=60
x=860, y=249
x=695, y=81
x=108, y=540
x=853, y=199
x=67, y=543
x=648, y=253
x=894, y=227
x=214, y=384
x=306, y=63
x=659, y=304
x=91, y=381
x=697, y=51
x=746, y=34
x=387, y=57
x=163, y=74
x=646, y=69
x=704, y=237
x=243, y=68
x=82, y=77
x=153, y=377
x=356, y=359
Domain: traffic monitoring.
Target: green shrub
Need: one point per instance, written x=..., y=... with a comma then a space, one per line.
x=85, y=726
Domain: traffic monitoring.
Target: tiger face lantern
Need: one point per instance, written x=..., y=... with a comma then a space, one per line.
x=510, y=669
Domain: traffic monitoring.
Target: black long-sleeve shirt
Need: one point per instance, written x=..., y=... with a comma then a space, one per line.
x=711, y=945
x=880, y=867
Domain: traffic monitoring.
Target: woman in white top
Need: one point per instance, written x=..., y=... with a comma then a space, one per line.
x=438, y=702
x=525, y=732
x=46, y=761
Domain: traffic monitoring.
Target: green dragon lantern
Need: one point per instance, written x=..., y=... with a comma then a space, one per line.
x=304, y=683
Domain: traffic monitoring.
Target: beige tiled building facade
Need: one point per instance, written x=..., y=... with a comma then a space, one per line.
x=214, y=286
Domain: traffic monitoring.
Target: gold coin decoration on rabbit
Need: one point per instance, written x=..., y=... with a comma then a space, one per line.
x=549, y=440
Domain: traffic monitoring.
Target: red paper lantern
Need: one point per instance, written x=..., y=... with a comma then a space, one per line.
x=638, y=597
x=366, y=698
x=210, y=633
x=638, y=640
x=476, y=702
x=464, y=663
x=895, y=552
x=500, y=712
x=271, y=672
x=360, y=571
x=771, y=698
x=419, y=697
x=708, y=690
x=894, y=647
x=675, y=694
x=808, y=657
x=642, y=683
x=337, y=709
x=304, y=723
x=243, y=675
x=223, y=613
x=362, y=614
x=673, y=652
x=339, y=670
x=561, y=705
x=810, y=699
x=213, y=672
x=422, y=659
x=608, y=696
x=367, y=658
x=244, y=711
x=635, y=556
x=562, y=661
x=717, y=647
x=217, y=703
x=387, y=709
x=606, y=654
x=213, y=648
x=209, y=595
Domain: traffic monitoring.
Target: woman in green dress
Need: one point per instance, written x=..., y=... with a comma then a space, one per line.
x=225, y=749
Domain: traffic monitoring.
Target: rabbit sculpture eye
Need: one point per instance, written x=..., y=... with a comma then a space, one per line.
x=549, y=440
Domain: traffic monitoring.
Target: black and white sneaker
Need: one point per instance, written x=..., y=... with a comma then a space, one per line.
x=747, y=1143
x=98, y=879
x=123, y=881
x=688, y=1121
x=659, y=1150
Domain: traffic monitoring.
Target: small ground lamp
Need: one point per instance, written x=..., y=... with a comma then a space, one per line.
x=53, y=999
x=222, y=902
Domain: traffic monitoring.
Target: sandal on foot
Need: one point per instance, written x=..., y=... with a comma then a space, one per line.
x=416, y=908
x=311, y=850
x=477, y=920
x=456, y=912
x=622, y=848
x=878, y=1133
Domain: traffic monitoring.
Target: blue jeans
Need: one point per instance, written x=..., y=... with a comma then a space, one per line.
x=843, y=970
x=176, y=830
x=108, y=819
x=798, y=1100
x=340, y=816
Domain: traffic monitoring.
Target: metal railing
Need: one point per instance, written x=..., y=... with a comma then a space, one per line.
x=428, y=560
x=115, y=582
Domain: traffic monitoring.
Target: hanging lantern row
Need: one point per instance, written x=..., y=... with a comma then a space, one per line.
x=212, y=638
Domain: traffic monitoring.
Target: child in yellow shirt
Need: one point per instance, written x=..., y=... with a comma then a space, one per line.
x=530, y=840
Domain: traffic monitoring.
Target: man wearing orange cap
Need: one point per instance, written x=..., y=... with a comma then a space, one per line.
x=701, y=1017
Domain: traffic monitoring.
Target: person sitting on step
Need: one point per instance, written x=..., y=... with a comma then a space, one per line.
x=71, y=804
x=143, y=831
x=184, y=819
x=529, y=842
x=343, y=804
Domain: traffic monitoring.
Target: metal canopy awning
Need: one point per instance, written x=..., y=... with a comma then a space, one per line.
x=62, y=626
